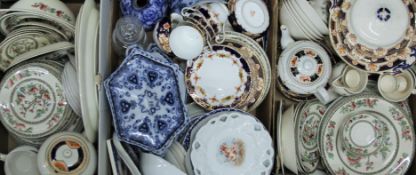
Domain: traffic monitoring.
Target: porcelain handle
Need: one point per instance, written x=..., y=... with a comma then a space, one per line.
x=325, y=96
x=3, y=157
x=176, y=19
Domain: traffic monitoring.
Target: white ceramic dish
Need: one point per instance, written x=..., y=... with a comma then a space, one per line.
x=125, y=156
x=154, y=165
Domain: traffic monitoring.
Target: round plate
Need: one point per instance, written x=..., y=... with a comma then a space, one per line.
x=232, y=143
x=218, y=78
x=32, y=100
x=366, y=121
x=304, y=67
x=375, y=38
x=252, y=15
x=306, y=131
x=67, y=153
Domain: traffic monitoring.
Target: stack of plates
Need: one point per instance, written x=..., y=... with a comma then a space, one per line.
x=34, y=106
x=303, y=20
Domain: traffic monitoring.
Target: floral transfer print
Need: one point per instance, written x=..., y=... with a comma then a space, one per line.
x=46, y=8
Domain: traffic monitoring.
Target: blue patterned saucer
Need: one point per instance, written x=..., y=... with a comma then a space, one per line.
x=145, y=100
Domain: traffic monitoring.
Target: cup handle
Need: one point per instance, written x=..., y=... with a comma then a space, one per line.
x=176, y=19
x=325, y=96
x=3, y=157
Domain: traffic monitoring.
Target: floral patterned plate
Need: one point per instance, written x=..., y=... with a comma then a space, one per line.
x=365, y=134
x=146, y=103
x=306, y=131
x=33, y=101
x=232, y=143
x=218, y=78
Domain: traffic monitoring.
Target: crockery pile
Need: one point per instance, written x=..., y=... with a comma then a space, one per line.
x=361, y=122
x=178, y=102
x=47, y=90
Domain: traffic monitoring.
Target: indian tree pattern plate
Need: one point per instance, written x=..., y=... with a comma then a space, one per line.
x=374, y=36
x=306, y=131
x=146, y=103
x=365, y=134
x=32, y=100
x=232, y=143
x=67, y=153
x=218, y=78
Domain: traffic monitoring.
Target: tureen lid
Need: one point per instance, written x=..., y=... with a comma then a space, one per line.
x=304, y=67
x=67, y=153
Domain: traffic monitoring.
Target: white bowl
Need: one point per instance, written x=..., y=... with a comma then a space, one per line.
x=154, y=165
x=56, y=9
x=186, y=42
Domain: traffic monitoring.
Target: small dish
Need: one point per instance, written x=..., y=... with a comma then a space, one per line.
x=250, y=17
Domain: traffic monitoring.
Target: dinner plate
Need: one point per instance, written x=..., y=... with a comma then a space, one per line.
x=232, y=143
x=365, y=134
x=218, y=78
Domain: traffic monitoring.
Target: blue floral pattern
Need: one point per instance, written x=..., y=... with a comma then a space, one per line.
x=145, y=100
x=178, y=5
x=149, y=14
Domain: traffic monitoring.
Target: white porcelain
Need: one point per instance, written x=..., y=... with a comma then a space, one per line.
x=176, y=156
x=219, y=9
x=67, y=153
x=304, y=67
x=21, y=160
x=346, y=80
x=55, y=9
x=321, y=8
x=396, y=87
x=125, y=157
x=153, y=165
x=40, y=25
x=252, y=15
x=62, y=46
x=218, y=78
x=303, y=18
x=378, y=24
x=186, y=42
x=232, y=143
x=366, y=130
x=85, y=50
x=287, y=140
x=312, y=15
x=70, y=87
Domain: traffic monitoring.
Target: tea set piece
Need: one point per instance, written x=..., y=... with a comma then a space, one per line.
x=219, y=10
x=148, y=12
x=365, y=133
x=47, y=10
x=86, y=60
x=70, y=88
x=23, y=155
x=250, y=17
x=146, y=102
x=381, y=42
x=161, y=34
x=304, y=67
x=176, y=157
x=154, y=165
x=309, y=14
x=67, y=153
x=186, y=42
x=232, y=143
x=39, y=25
x=176, y=6
x=286, y=140
x=218, y=78
x=306, y=129
x=346, y=80
x=397, y=87
x=128, y=31
x=33, y=100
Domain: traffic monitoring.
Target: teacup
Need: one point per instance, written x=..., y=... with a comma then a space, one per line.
x=186, y=42
x=346, y=80
x=22, y=160
x=250, y=17
x=396, y=87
